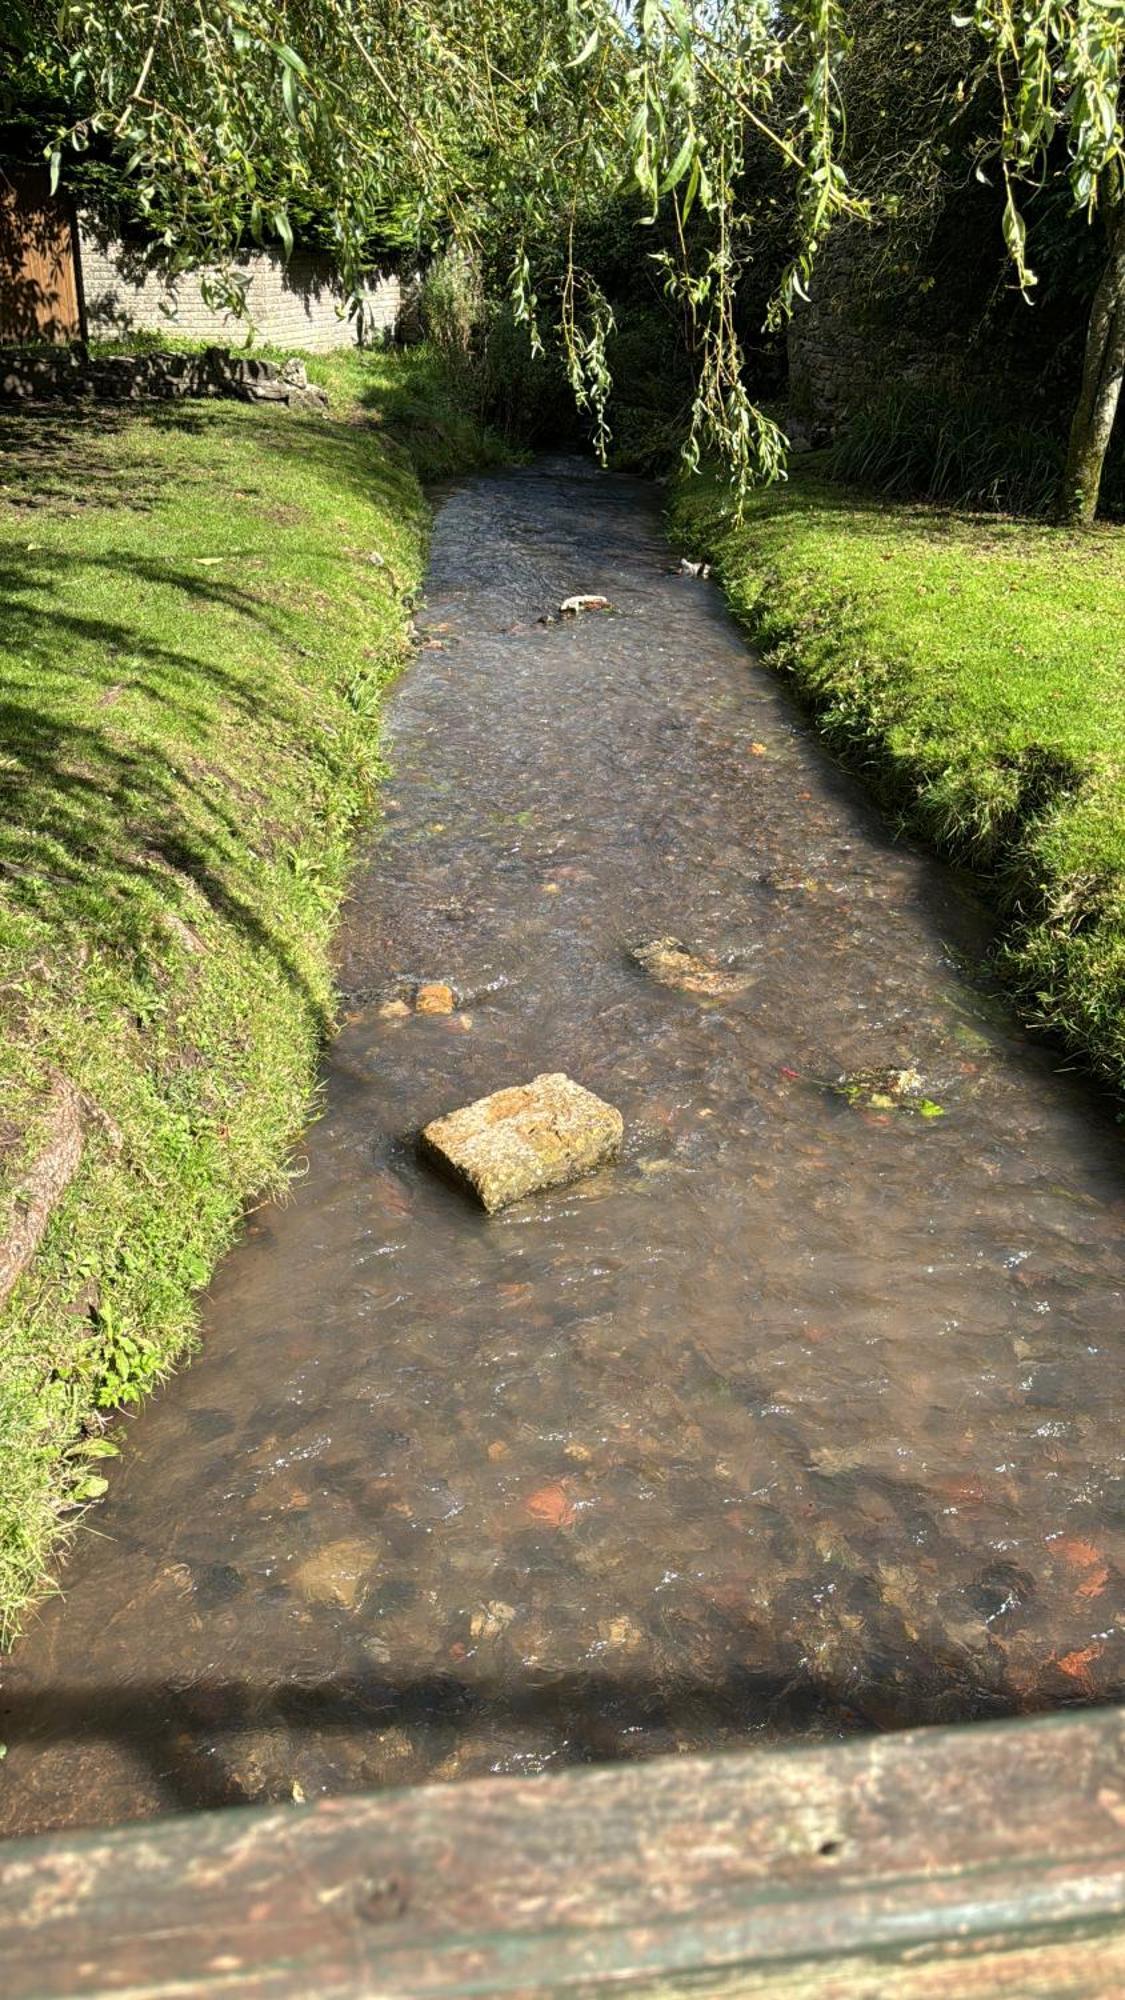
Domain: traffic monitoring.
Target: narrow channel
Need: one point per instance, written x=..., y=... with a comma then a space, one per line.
x=806, y=1417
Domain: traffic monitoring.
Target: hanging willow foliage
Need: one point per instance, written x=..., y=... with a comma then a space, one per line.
x=1058, y=68
x=489, y=126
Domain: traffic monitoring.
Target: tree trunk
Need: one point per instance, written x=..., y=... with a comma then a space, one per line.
x=1102, y=374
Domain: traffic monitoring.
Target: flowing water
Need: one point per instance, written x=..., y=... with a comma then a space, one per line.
x=806, y=1416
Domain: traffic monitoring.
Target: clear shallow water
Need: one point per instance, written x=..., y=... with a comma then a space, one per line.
x=805, y=1417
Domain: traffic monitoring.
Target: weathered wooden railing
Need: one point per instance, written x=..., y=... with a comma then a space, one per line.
x=940, y=1864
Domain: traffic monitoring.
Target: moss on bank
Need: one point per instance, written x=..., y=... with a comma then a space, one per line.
x=973, y=668
x=202, y=606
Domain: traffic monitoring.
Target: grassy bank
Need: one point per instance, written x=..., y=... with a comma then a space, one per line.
x=201, y=609
x=974, y=669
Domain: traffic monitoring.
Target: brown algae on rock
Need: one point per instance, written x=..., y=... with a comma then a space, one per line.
x=518, y=1141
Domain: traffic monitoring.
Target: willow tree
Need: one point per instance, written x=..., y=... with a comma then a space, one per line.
x=1058, y=68
x=483, y=125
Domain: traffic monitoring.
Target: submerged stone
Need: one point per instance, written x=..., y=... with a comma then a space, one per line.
x=435, y=997
x=338, y=1573
x=584, y=601
x=535, y=1135
x=885, y=1090
x=667, y=960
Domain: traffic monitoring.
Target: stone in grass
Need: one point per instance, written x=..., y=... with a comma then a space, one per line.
x=536, y=1135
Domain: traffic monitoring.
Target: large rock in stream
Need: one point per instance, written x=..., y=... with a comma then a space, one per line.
x=535, y=1135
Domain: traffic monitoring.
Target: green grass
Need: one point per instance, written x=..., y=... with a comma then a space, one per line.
x=202, y=606
x=974, y=669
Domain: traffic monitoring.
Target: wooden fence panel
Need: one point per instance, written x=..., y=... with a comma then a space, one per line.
x=39, y=280
x=945, y=1864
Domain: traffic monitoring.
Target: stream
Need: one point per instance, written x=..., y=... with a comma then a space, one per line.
x=805, y=1417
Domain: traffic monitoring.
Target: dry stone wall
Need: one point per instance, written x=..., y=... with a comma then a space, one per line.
x=833, y=365
x=300, y=304
x=38, y=375
x=840, y=357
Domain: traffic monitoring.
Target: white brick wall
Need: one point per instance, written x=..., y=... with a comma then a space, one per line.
x=297, y=305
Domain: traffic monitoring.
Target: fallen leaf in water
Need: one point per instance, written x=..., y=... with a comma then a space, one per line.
x=552, y=1505
x=1073, y=1550
x=90, y=1488
x=757, y=750
x=1087, y=1560
x=1077, y=1665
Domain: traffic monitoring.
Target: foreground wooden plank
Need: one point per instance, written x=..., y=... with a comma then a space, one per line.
x=954, y=1863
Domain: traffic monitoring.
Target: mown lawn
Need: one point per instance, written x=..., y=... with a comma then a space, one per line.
x=200, y=609
x=974, y=668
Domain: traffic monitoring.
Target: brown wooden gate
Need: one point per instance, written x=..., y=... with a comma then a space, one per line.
x=40, y=289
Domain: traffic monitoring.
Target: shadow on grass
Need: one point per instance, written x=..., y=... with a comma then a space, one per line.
x=78, y=454
x=93, y=817
x=86, y=828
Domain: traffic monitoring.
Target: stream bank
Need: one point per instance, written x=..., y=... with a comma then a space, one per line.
x=970, y=667
x=203, y=604
x=802, y=1419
